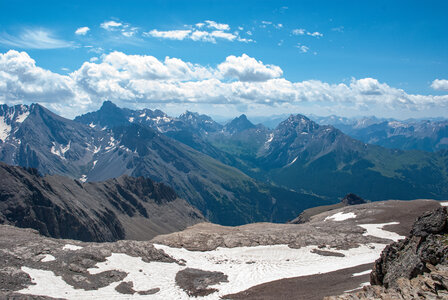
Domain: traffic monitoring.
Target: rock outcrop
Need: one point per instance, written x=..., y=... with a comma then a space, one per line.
x=414, y=268
x=349, y=199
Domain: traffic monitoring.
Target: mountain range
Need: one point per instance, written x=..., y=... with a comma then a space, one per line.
x=106, y=144
x=234, y=174
x=412, y=134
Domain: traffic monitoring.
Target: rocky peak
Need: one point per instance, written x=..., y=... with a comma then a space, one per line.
x=201, y=122
x=297, y=123
x=239, y=124
x=109, y=115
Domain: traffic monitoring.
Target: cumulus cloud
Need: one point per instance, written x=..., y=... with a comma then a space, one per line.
x=440, y=85
x=246, y=68
x=82, y=30
x=24, y=82
x=34, y=39
x=239, y=81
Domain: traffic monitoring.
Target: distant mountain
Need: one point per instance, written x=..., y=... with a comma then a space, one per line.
x=426, y=135
x=200, y=123
x=122, y=208
x=238, y=125
x=103, y=149
x=303, y=155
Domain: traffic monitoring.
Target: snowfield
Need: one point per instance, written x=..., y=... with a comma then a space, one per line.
x=341, y=216
x=245, y=267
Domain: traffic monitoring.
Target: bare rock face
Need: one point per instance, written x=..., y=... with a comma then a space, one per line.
x=414, y=268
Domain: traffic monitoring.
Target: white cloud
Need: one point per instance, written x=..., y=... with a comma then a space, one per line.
x=34, y=39
x=218, y=26
x=198, y=35
x=199, y=25
x=302, y=31
x=303, y=48
x=223, y=35
x=204, y=36
x=171, y=34
x=246, y=68
x=299, y=31
x=440, y=85
x=25, y=83
x=123, y=28
x=111, y=25
x=315, y=34
x=82, y=30
x=142, y=79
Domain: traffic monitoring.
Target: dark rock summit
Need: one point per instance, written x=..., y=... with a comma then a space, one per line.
x=57, y=206
x=352, y=199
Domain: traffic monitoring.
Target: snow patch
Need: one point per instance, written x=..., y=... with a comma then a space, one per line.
x=341, y=216
x=244, y=266
x=91, y=125
x=22, y=117
x=5, y=129
x=359, y=287
x=60, y=150
x=131, y=119
x=96, y=149
x=444, y=203
x=293, y=161
x=362, y=273
x=378, y=231
x=71, y=247
x=83, y=178
x=47, y=258
x=94, y=163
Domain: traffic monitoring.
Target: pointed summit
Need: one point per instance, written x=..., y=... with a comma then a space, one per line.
x=238, y=124
x=109, y=115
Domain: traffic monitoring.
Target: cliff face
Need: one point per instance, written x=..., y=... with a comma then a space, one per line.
x=413, y=268
x=122, y=208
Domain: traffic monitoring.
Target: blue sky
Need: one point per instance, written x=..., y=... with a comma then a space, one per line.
x=289, y=56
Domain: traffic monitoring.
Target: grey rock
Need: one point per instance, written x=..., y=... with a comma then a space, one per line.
x=196, y=282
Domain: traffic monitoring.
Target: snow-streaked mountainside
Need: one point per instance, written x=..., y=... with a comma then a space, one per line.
x=229, y=263
x=234, y=174
x=112, y=146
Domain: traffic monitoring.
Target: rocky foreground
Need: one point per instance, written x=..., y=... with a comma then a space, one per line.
x=414, y=268
x=207, y=261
